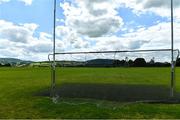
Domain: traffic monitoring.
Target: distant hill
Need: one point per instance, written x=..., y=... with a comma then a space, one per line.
x=100, y=62
x=13, y=61
x=89, y=63
x=59, y=64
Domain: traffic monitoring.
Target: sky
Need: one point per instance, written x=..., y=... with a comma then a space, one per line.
x=26, y=26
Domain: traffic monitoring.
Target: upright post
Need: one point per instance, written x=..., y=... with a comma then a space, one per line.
x=53, y=81
x=172, y=52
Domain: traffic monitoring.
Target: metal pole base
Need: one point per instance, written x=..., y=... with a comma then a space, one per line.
x=55, y=99
x=172, y=79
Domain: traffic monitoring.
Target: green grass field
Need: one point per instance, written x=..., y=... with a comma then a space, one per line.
x=19, y=88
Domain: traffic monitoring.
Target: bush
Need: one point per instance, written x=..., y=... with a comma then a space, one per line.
x=178, y=62
x=139, y=62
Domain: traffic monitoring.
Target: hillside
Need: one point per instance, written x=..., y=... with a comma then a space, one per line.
x=13, y=61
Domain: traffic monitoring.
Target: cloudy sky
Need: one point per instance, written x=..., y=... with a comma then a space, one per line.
x=85, y=25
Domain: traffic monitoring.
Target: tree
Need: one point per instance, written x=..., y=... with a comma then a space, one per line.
x=130, y=62
x=152, y=61
x=139, y=62
x=126, y=62
x=7, y=65
x=178, y=62
x=116, y=63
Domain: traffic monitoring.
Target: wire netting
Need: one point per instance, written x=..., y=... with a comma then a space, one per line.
x=115, y=76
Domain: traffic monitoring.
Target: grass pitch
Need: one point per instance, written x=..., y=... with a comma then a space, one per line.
x=19, y=88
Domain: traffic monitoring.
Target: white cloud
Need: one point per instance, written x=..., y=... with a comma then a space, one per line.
x=18, y=40
x=71, y=38
x=89, y=25
x=158, y=3
x=2, y=1
x=159, y=7
x=89, y=19
x=26, y=2
x=154, y=37
x=37, y=48
x=17, y=33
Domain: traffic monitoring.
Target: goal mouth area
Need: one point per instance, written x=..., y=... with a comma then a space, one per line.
x=122, y=92
x=112, y=92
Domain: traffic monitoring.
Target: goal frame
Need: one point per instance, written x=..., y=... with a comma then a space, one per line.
x=53, y=65
x=173, y=65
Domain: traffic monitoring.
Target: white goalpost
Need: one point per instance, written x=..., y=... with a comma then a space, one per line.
x=53, y=62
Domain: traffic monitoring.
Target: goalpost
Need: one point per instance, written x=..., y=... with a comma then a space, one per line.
x=53, y=65
x=112, y=55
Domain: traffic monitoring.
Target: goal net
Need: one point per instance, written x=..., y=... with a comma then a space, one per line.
x=125, y=76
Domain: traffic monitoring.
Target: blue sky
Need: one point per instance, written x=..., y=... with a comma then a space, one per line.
x=40, y=12
x=83, y=25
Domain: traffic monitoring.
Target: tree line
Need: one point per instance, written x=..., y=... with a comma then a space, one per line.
x=138, y=62
x=141, y=62
x=5, y=65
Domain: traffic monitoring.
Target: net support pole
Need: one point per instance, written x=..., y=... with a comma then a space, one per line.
x=172, y=53
x=53, y=81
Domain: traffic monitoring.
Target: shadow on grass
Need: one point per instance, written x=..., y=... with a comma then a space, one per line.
x=111, y=92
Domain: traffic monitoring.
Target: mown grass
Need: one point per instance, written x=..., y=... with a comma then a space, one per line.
x=18, y=88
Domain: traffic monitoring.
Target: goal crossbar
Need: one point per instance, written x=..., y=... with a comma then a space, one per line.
x=122, y=51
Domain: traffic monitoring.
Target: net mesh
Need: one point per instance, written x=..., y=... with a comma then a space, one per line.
x=115, y=76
